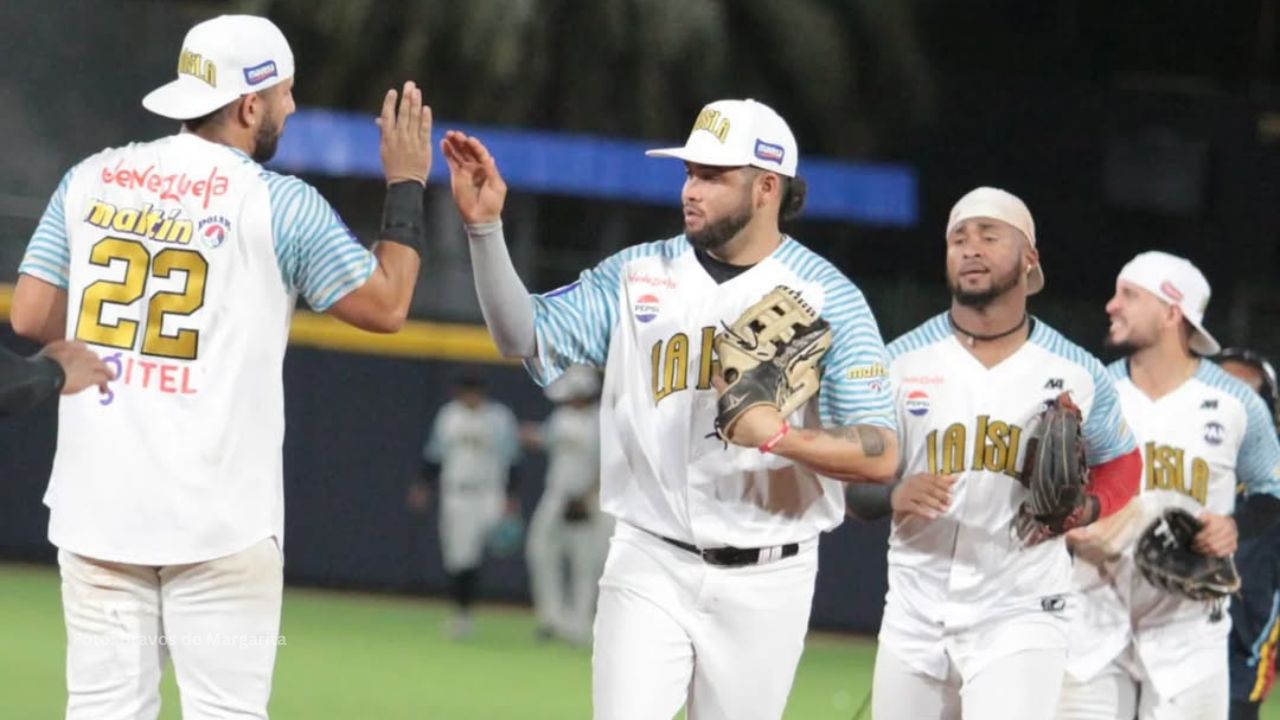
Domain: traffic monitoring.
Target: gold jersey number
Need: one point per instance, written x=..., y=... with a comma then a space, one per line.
x=138, y=266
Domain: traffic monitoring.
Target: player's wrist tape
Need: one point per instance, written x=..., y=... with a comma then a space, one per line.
x=772, y=442
x=484, y=231
x=402, y=216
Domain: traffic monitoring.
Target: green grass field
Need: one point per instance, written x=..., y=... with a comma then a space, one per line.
x=359, y=656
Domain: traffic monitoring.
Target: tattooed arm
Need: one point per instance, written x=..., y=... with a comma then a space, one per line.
x=861, y=453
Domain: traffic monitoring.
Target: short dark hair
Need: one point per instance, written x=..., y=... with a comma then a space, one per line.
x=794, y=190
x=195, y=124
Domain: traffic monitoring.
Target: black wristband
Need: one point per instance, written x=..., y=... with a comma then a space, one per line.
x=402, y=216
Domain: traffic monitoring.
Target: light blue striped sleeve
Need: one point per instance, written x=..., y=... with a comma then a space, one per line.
x=433, y=449
x=573, y=323
x=48, y=255
x=509, y=438
x=1106, y=434
x=1258, y=463
x=855, y=376
x=319, y=256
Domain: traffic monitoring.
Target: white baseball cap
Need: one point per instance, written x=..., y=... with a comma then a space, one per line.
x=733, y=133
x=997, y=204
x=1175, y=281
x=222, y=59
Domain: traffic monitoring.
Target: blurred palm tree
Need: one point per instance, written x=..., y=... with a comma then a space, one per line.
x=848, y=74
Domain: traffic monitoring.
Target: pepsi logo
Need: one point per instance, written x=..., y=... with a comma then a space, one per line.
x=646, y=308
x=918, y=403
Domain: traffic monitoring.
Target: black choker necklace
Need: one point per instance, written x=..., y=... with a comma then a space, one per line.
x=974, y=337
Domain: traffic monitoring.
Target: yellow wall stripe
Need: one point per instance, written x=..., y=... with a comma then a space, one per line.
x=419, y=339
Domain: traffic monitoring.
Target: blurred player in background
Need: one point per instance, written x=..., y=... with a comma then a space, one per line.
x=182, y=259
x=1255, y=612
x=470, y=456
x=62, y=366
x=568, y=529
x=706, y=594
x=976, y=617
x=1136, y=648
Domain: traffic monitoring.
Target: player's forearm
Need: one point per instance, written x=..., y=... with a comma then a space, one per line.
x=381, y=304
x=504, y=301
x=39, y=310
x=862, y=453
x=1114, y=483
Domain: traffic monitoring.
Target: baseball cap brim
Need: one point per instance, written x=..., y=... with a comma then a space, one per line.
x=1202, y=342
x=186, y=98
x=695, y=155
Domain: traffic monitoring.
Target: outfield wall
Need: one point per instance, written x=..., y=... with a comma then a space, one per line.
x=355, y=425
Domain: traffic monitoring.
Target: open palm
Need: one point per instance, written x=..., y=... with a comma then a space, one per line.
x=478, y=187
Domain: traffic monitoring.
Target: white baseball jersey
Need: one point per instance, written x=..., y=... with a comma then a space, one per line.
x=967, y=569
x=475, y=447
x=182, y=260
x=1196, y=442
x=650, y=314
x=572, y=439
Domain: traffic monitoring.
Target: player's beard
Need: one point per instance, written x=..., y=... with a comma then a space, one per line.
x=1000, y=284
x=714, y=235
x=266, y=139
x=1128, y=346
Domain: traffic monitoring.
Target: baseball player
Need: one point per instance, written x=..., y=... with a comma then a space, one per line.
x=1134, y=647
x=1254, y=627
x=976, y=617
x=66, y=367
x=706, y=592
x=568, y=527
x=472, y=451
x=180, y=261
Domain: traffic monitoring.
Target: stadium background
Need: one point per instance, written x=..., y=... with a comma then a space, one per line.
x=1125, y=125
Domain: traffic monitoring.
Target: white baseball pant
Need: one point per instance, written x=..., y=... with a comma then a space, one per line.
x=584, y=544
x=1023, y=685
x=219, y=621
x=467, y=518
x=672, y=630
x=1117, y=693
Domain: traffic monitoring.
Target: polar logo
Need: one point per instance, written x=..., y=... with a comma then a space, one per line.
x=1214, y=433
x=646, y=308
x=918, y=403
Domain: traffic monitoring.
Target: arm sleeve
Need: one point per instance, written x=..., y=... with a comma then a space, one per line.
x=573, y=324
x=855, y=375
x=1106, y=434
x=869, y=501
x=25, y=383
x=319, y=257
x=47, y=257
x=504, y=301
x=1258, y=462
x=1115, y=482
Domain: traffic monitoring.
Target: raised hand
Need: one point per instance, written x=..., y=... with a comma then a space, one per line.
x=82, y=366
x=406, y=136
x=478, y=187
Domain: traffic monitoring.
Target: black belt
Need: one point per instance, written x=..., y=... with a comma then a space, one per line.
x=732, y=556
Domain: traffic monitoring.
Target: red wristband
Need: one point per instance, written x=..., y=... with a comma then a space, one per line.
x=772, y=442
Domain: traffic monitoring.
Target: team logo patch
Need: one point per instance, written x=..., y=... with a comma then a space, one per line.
x=1171, y=290
x=1214, y=433
x=646, y=308
x=260, y=73
x=918, y=403
x=213, y=230
x=769, y=152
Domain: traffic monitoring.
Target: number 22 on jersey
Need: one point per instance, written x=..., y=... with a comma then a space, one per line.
x=139, y=266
